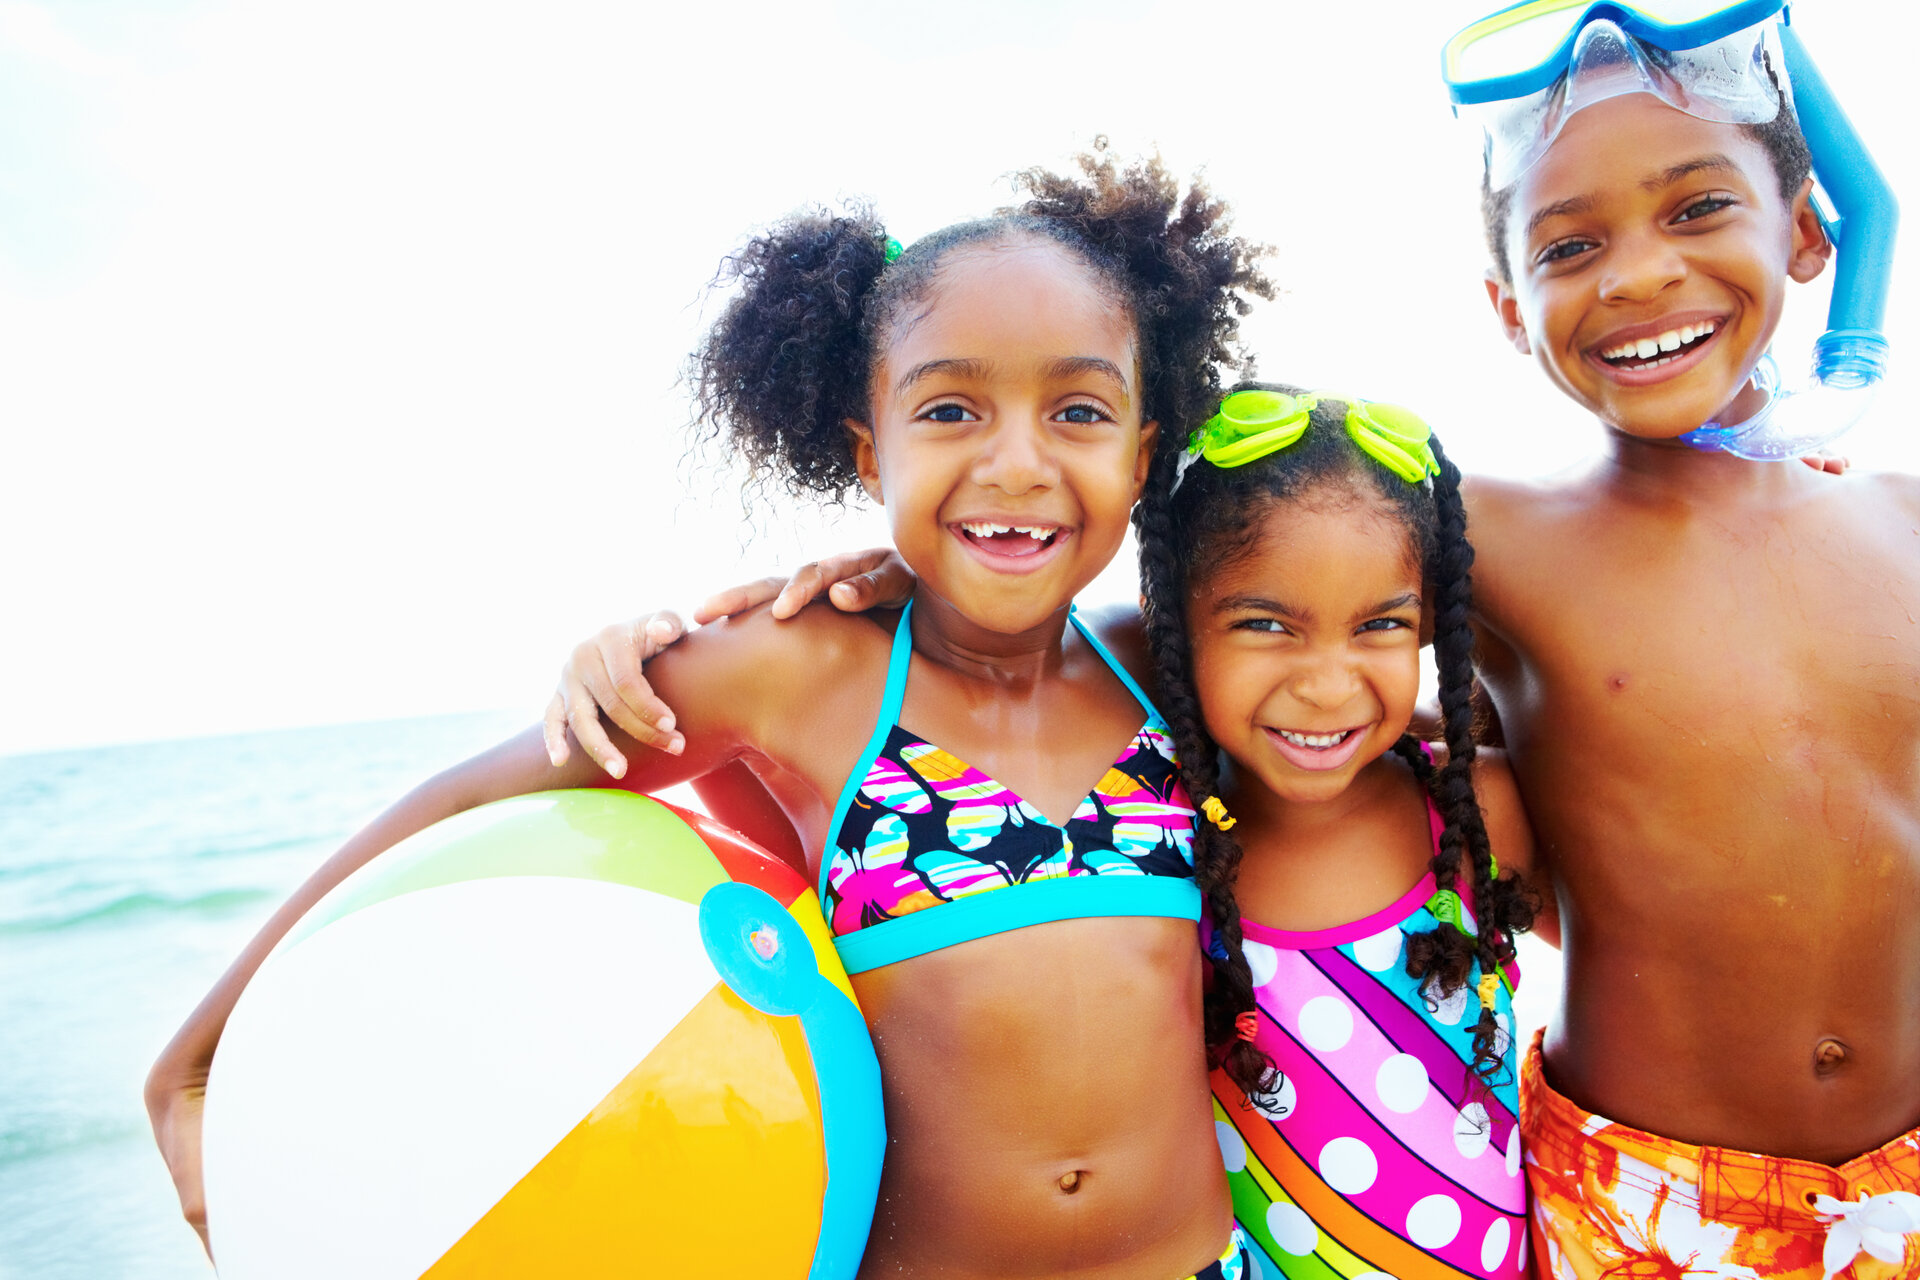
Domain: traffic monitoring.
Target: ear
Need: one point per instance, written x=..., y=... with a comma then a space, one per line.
x=866, y=459
x=1811, y=248
x=1143, y=460
x=1507, y=307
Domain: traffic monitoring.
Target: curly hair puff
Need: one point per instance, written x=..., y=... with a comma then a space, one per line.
x=1211, y=518
x=791, y=357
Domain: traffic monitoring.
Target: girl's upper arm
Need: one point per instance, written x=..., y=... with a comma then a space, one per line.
x=1510, y=835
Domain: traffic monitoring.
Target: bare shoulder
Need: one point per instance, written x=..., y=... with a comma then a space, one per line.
x=753, y=673
x=1504, y=509
x=1897, y=491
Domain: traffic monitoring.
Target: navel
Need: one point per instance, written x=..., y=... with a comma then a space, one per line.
x=1829, y=1056
x=1070, y=1181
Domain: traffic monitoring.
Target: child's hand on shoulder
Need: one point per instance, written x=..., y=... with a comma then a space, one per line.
x=605, y=675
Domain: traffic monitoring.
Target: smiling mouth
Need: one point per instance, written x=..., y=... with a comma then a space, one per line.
x=1316, y=741
x=1010, y=539
x=1663, y=348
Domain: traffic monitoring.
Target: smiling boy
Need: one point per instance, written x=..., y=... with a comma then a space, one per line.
x=1708, y=673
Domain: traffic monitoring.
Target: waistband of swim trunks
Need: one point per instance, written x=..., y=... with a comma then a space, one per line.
x=1738, y=1188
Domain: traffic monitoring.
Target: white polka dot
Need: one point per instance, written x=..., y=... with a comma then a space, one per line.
x=1513, y=1152
x=1494, y=1247
x=1449, y=1008
x=1233, y=1148
x=1262, y=960
x=1472, y=1130
x=1433, y=1221
x=1401, y=1083
x=1524, y=1254
x=1373, y=1275
x=1293, y=1231
x=1348, y=1166
x=1279, y=1104
x=1326, y=1023
x=1378, y=953
x=1253, y=1269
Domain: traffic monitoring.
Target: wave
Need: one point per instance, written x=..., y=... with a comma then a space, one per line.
x=133, y=905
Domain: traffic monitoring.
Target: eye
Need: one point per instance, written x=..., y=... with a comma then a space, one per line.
x=1564, y=250
x=1378, y=625
x=1084, y=414
x=1703, y=206
x=1265, y=626
x=947, y=413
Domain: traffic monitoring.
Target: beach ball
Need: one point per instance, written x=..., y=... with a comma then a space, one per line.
x=580, y=1033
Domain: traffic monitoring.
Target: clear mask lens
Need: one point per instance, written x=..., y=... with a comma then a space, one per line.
x=1725, y=81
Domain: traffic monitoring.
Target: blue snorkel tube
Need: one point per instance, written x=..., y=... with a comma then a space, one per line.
x=1850, y=358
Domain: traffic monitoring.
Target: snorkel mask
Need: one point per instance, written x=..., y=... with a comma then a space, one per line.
x=1523, y=72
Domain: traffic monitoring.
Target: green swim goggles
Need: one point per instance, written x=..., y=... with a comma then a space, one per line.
x=1252, y=424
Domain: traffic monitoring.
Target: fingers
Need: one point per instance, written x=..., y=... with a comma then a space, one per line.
x=877, y=579
x=553, y=728
x=583, y=716
x=616, y=677
x=654, y=631
x=804, y=587
x=739, y=599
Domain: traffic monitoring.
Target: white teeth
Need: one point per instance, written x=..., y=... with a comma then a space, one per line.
x=1647, y=348
x=1314, y=739
x=987, y=529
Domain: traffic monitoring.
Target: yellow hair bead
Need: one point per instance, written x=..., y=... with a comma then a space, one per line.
x=1217, y=814
x=1489, y=987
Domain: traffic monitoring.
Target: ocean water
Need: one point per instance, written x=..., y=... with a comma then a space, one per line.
x=130, y=876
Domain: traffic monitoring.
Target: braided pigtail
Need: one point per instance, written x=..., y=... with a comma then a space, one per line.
x=787, y=363
x=1216, y=858
x=1444, y=958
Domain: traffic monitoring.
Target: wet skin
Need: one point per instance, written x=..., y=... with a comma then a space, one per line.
x=1707, y=671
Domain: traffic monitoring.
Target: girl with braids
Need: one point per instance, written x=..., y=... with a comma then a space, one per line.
x=1024, y=950
x=1359, y=925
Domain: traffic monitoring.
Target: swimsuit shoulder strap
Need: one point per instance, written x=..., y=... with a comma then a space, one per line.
x=1113, y=664
x=896, y=691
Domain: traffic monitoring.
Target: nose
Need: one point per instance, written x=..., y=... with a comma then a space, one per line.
x=1017, y=456
x=1325, y=681
x=1639, y=265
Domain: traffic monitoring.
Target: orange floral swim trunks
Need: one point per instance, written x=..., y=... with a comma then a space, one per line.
x=1616, y=1203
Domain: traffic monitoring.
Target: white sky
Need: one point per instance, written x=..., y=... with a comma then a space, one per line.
x=338, y=340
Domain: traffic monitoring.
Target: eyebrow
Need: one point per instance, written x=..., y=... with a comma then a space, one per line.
x=1685, y=168
x=959, y=368
x=1653, y=182
x=1559, y=208
x=1253, y=604
x=1265, y=604
x=1069, y=367
x=1063, y=369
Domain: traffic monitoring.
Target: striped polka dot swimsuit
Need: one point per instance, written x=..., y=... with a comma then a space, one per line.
x=1379, y=1153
